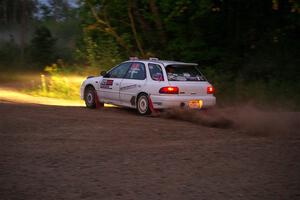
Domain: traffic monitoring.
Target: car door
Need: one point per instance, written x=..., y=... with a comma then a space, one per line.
x=132, y=83
x=109, y=91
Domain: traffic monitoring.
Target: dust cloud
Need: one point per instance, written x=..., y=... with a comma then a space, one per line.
x=246, y=118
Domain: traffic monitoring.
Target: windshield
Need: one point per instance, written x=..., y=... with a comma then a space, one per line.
x=184, y=73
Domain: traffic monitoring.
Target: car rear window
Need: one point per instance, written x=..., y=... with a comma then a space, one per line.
x=184, y=73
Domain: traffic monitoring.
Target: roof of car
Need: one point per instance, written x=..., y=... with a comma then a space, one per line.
x=164, y=62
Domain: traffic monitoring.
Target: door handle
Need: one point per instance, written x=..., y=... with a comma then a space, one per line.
x=117, y=84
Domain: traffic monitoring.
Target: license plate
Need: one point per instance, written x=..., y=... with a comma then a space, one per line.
x=195, y=104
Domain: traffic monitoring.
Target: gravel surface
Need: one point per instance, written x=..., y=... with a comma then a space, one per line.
x=51, y=152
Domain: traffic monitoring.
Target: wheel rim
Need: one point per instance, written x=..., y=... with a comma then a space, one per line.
x=90, y=98
x=143, y=105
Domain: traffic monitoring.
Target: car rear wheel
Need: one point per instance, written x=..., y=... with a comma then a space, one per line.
x=90, y=97
x=143, y=105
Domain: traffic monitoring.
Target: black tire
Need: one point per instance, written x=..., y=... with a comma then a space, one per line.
x=90, y=97
x=143, y=105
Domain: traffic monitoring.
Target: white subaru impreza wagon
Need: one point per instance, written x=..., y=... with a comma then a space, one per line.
x=149, y=85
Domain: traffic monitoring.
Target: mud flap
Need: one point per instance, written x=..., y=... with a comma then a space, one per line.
x=97, y=102
x=153, y=111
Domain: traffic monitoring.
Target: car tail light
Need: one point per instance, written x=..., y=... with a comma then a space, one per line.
x=210, y=90
x=169, y=90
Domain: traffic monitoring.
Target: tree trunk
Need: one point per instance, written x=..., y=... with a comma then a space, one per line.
x=23, y=32
x=15, y=17
x=157, y=21
x=105, y=26
x=143, y=24
x=4, y=10
x=133, y=28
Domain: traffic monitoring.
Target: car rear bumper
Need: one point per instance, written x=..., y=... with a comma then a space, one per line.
x=170, y=101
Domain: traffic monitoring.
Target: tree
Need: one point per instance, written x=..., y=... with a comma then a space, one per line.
x=42, y=47
x=59, y=9
x=12, y=11
x=102, y=23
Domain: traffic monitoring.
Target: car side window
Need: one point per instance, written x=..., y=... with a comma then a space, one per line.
x=137, y=71
x=156, y=72
x=119, y=71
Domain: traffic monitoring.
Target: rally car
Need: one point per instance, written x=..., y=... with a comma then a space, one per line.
x=149, y=85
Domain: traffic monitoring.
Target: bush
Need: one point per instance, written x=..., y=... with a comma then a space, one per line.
x=266, y=93
x=58, y=83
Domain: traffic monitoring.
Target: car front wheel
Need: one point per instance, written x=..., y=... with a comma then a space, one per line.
x=143, y=105
x=90, y=97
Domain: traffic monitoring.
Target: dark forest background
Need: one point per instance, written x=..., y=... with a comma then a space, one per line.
x=249, y=49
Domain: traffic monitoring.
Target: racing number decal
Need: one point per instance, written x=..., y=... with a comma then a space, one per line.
x=106, y=84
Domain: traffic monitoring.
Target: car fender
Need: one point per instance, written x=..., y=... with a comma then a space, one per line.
x=93, y=81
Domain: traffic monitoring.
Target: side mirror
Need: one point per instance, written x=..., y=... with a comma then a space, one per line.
x=103, y=73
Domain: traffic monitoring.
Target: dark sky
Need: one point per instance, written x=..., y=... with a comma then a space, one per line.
x=71, y=2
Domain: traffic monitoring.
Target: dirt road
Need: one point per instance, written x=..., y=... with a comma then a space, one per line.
x=50, y=152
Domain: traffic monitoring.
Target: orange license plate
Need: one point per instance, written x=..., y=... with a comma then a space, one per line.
x=195, y=104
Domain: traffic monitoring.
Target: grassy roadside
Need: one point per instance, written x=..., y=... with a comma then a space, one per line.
x=65, y=86
x=57, y=86
x=10, y=95
x=41, y=88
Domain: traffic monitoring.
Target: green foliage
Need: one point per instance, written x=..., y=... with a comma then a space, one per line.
x=65, y=27
x=248, y=49
x=265, y=93
x=101, y=52
x=42, y=46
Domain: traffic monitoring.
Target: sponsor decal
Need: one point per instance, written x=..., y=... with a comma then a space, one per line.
x=135, y=66
x=128, y=87
x=106, y=83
